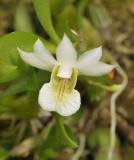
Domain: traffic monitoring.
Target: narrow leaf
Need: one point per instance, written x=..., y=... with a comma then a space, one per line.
x=22, y=20
x=42, y=8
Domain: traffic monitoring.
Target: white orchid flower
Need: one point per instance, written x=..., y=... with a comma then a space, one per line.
x=59, y=95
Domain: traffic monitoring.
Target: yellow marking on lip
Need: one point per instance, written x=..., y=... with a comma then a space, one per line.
x=62, y=87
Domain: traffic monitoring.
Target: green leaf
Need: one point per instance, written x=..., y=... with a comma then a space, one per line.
x=6, y=69
x=91, y=36
x=68, y=15
x=43, y=77
x=42, y=8
x=4, y=154
x=99, y=139
x=5, y=104
x=63, y=4
x=79, y=12
x=51, y=141
x=48, y=153
x=77, y=116
x=63, y=27
x=27, y=82
x=94, y=94
x=64, y=134
x=25, y=107
x=22, y=19
x=10, y=56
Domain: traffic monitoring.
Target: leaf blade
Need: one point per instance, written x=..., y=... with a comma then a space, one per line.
x=10, y=56
x=64, y=134
x=27, y=82
x=42, y=8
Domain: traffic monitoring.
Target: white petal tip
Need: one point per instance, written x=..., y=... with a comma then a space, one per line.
x=99, y=49
x=38, y=42
x=65, y=38
x=20, y=51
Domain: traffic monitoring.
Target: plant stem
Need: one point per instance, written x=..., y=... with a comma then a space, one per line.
x=113, y=109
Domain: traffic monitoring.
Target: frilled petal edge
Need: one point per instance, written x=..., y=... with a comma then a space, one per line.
x=65, y=108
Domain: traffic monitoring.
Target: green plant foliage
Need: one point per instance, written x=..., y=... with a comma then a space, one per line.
x=64, y=134
x=79, y=12
x=25, y=107
x=68, y=16
x=22, y=21
x=4, y=154
x=78, y=114
x=63, y=27
x=62, y=4
x=48, y=153
x=100, y=138
x=43, y=77
x=103, y=156
x=6, y=69
x=92, y=38
x=95, y=93
x=27, y=82
x=42, y=8
x=5, y=104
x=51, y=141
x=9, y=56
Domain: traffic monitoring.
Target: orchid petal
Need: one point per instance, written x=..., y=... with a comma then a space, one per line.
x=71, y=105
x=64, y=71
x=65, y=108
x=65, y=52
x=43, y=54
x=45, y=98
x=89, y=57
x=97, y=69
x=32, y=59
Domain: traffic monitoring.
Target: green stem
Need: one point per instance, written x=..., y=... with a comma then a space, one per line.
x=111, y=88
